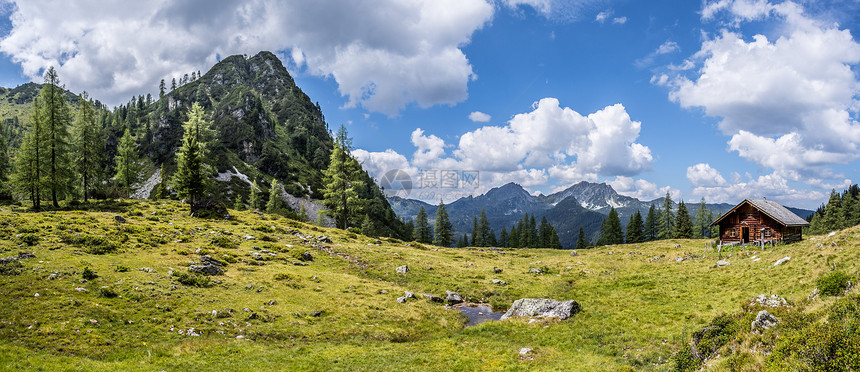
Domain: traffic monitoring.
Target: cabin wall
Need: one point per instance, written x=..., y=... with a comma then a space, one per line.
x=731, y=228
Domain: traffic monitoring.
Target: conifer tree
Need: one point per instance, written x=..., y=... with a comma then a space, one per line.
x=275, y=203
x=848, y=204
x=476, y=232
x=465, y=240
x=303, y=213
x=704, y=217
x=254, y=198
x=514, y=237
x=554, y=242
x=651, y=224
x=422, y=233
x=611, y=230
x=533, y=236
x=161, y=188
x=503, y=238
x=28, y=178
x=635, y=228
x=161, y=88
x=342, y=182
x=460, y=242
x=173, y=85
x=667, y=219
x=89, y=145
x=237, y=202
x=683, y=224
x=484, y=233
x=833, y=215
x=443, y=227
x=367, y=227
x=56, y=117
x=5, y=165
x=581, y=240
x=127, y=164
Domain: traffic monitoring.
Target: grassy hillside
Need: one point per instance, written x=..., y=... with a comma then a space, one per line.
x=274, y=309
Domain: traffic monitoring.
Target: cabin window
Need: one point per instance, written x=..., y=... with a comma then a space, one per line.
x=766, y=233
x=733, y=233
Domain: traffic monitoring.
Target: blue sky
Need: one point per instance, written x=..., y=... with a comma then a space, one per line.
x=721, y=99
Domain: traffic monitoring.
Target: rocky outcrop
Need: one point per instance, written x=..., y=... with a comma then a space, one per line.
x=543, y=308
x=453, y=298
x=763, y=321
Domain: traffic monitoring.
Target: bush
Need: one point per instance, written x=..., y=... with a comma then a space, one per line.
x=107, y=292
x=29, y=238
x=121, y=268
x=95, y=244
x=89, y=274
x=193, y=280
x=12, y=267
x=833, y=283
x=685, y=361
x=224, y=242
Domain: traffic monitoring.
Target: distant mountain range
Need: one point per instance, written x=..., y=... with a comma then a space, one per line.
x=584, y=204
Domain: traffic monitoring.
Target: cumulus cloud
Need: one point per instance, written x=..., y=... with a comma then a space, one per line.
x=703, y=175
x=602, y=16
x=121, y=49
x=550, y=143
x=773, y=186
x=479, y=117
x=642, y=189
x=619, y=20
x=668, y=47
x=789, y=104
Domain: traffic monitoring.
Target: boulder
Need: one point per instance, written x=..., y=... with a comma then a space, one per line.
x=573, y=253
x=535, y=270
x=401, y=299
x=408, y=294
x=772, y=301
x=781, y=261
x=208, y=260
x=497, y=270
x=499, y=282
x=453, y=298
x=402, y=269
x=25, y=255
x=763, y=321
x=306, y=256
x=542, y=307
x=433, y=298
x=723, y=263
x=208, y=269
x=119, y=219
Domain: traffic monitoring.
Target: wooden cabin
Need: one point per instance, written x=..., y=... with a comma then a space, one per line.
x=759, y=221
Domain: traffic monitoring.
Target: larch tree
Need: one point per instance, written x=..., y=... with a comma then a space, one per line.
x=127, y=162
x=190, y=177
x=28, y=177
x=683, y=224
x=89, y=145
x=254, y=198
x=442, y=230
x=342, y=181
x=56, y=117
x=276, y=202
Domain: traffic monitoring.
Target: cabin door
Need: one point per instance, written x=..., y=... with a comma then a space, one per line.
x=745, y=234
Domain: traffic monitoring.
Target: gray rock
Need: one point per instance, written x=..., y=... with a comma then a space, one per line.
x=119, y=219
x=764, y=320
x=497, y=270
x=25, y=255
x=208, y=260
x=781, y=261
x=542, y=307
x=324, y=239
x=256, y=256
x=402, y=269
x=677, y=246
x=408, y=294
x=453, y=298
x=252, y=316
x=723, y=263
x=772, y=301
x=573, y=253
x=272, y=303
x=499, y=282
x=401, y=299
x=433, y=298
x=525, y=351
x=208, y=269
x=306, y=256
x=535, y=270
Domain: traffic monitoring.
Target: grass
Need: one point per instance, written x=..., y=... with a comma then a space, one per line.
x=337, y=311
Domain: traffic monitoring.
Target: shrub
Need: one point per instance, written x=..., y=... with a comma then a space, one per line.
x=121, y=268
x=193, y=280
x=89, y=274
x=224, y=242
x=833, y=283
x=29, y=238
x=11, y=267
x=685, y=361
x=107, y=292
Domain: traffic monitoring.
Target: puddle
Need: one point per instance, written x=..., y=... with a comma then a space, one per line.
x=478, y=313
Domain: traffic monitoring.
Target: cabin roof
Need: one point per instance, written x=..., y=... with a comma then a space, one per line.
x=772, y=209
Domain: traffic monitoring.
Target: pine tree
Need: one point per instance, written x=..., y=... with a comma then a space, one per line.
x=5, y=165
x=635, y=229
x=161, y=88
x=503, y=238
x=704, y=217
x=545, y=234
x=484, y=231
x=89, y=145
x=554, y=242
x=173, y=85
x=275, y=203
x=651, y=224
x=303, y=213
x=127, y=164
x=465, y=240
x=461, y=243
x=237, y=202
x=161, y=188
x=342, y=182
x=367, y=227
x=667, y=219
x=581, y=240
x=533, y=235
x=254, y=198
x=56, y=118
x=611, y=230
x=422, y=233
x=442, y=231
x=514, y=238
x=683, y=224
x=190, y=177
x=476, y=233
x=848, y=204
x=28, y=178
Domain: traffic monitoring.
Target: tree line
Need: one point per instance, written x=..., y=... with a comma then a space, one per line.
x=663, y=223
x=841, y=211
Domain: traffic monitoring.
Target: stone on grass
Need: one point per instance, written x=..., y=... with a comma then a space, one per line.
x=453, y=298
x=542, y=307
x=499, y=282
x=573, y=253
x=208, y=269
x=401, y=299
x=535, y=270
x=781, y=261
x=769, y=301
x=119, y=219
x=763, y=321
x=306, y=256
x=433, y=298
x=208, y=260
x=723, y=263
x=402, y=269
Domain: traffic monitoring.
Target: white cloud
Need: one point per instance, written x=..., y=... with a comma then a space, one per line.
x=789, y=103
x=773, y=186
x=668, y=47
x=602, y=16
x=563, y=10
x=379, y=163
x=479, y=117
x=642, y=189
x=122, y=49
x=703, y=175
x=619, y=20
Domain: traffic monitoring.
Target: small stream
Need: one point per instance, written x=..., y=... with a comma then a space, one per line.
x=479, y=313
